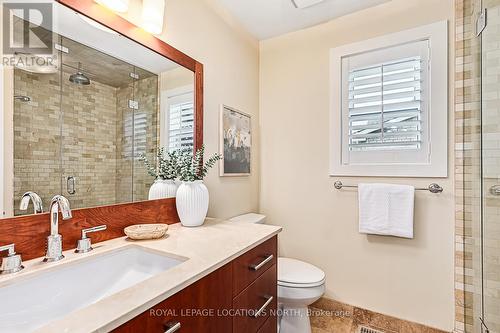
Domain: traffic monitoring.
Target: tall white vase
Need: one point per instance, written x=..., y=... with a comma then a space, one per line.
x=162, y=189
x=192, y=203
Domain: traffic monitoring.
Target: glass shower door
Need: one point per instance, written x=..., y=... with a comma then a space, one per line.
x=490, y=165
x=97, y=127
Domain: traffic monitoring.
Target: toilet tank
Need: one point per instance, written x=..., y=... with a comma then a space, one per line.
x=249, y=218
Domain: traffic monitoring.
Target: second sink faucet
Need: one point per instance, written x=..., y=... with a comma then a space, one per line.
x=54, y=241
x=37, y=202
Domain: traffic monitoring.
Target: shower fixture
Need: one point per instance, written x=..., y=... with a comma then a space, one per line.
x=22, y=98
x=79, y=77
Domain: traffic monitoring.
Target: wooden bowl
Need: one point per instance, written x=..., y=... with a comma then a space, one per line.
x=146, y=231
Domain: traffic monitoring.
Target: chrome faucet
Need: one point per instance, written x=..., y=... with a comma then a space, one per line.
x=54, y=241
x=12, y=263
x=37, y=202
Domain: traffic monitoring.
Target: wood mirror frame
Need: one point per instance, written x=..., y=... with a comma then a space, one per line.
x=29, y=232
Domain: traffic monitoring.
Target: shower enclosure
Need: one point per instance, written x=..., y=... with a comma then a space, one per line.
x=81, y=129
x=478, y=165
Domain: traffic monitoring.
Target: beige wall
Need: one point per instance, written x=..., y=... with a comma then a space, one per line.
x=409, y=279
x=231, y=63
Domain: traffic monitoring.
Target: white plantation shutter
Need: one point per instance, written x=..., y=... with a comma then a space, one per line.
x=181, y=126
x=140, y=134
x=385, y=105
x=135, y=128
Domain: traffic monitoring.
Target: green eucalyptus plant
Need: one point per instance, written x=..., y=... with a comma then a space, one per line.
x=192, y=167
x=167, y=166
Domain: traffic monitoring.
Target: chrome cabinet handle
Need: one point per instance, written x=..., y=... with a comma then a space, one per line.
x=172, y=327
x=262, y=263
x=70, y=185
x=263, y=307
x=84, y=245
x=12, y=263
x=495, y=190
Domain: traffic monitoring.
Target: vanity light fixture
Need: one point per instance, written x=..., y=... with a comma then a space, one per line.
x=36, y=63
x=96, y=24
x=152, y=16
x=301, y=4
x=120, y=6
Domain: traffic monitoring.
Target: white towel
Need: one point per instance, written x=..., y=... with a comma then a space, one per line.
x=386, y=209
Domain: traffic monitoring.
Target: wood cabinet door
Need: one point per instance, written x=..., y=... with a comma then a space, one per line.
x=202, y=307
x=270, y=326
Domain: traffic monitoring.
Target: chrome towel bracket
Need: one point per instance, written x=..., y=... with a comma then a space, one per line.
x=433, y=188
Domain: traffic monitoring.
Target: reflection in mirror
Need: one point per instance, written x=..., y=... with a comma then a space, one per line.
x=81, y=128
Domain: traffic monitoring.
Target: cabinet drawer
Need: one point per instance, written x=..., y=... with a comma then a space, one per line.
x=251, y=265
x=257, y=303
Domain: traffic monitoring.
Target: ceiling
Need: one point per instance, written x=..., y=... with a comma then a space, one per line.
x=99, y=66
x=269, y=18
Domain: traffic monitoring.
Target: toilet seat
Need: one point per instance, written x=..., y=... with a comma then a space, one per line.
x=294, y=273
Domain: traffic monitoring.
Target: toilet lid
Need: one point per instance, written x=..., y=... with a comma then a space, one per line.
x=296, y=273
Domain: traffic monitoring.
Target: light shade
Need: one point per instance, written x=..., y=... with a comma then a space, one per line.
x=152, y=15
x=120, y=6
x=305, y=3
x=96, y=24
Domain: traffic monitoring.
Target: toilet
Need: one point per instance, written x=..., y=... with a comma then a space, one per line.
x=299, y=285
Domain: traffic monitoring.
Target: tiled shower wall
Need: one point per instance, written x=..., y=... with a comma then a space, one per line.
x=128, y=169
x=36, y=158
x=94, y=139
x=468, y=173
x=491, y=166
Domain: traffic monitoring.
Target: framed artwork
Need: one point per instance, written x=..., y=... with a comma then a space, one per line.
x=235, y=142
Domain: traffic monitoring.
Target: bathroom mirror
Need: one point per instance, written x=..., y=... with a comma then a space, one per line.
x=79, y=125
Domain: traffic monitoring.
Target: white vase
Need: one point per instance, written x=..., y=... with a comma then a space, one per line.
x=162, y=189
x=192, y=203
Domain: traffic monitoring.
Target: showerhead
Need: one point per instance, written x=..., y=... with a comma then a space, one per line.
x=22, y=98
x=79, y=77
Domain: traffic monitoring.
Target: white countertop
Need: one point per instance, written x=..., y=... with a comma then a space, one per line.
x=207, y=248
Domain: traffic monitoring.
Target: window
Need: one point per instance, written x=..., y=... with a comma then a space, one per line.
x=389, y=98
x=177, y=119
x=135, y=128
x=385, y=106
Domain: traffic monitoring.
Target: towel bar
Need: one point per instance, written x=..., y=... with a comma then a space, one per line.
x=433, y=188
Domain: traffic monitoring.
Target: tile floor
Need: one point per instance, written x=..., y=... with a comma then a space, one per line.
x=329, y=316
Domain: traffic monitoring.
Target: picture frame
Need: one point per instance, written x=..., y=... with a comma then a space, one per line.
x=235, y=142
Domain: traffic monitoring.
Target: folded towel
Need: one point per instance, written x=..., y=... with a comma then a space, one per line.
x=386, y=209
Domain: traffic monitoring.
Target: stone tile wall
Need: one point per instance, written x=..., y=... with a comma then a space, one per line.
x=491, y=166
x=473, y=61
x=468, y=168
x=94, y=134
x=144, y=141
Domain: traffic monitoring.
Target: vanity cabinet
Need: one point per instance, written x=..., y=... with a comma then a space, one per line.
x=226, y=300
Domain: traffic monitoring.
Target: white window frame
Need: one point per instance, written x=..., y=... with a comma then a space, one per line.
x=437, y=164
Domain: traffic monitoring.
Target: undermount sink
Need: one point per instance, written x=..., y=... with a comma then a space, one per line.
x=34, y=302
